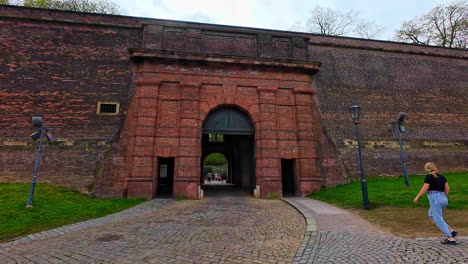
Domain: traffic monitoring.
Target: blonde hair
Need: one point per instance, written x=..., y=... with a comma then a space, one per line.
x=430, y=166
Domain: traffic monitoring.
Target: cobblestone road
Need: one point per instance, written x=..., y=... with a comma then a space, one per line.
x=229, y=230
x=221, y=230
x=343, y=237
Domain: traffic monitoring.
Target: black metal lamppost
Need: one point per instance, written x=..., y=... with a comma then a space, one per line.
x=355, y=114
x=41, y=131
x=397, y=126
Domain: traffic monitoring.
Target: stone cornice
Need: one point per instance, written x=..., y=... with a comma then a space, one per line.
x=137, y=53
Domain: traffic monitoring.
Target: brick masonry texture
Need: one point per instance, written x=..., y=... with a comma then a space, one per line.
x=214, y=230
x=168, y=76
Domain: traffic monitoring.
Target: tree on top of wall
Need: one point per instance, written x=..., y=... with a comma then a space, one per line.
x=91, y=6
x=327, y=21
x=444, y=26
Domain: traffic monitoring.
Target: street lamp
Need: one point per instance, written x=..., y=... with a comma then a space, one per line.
x=41, y=131
x=399, y=128
x=355, y=114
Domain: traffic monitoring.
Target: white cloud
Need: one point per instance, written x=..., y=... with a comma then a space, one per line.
x=277, y=14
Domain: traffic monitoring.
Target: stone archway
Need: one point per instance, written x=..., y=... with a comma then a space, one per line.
x=229, y=131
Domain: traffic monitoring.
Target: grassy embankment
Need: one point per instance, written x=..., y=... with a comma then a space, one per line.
x=53, y=207
x=392, y=203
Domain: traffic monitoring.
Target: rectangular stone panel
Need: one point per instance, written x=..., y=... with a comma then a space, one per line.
x=281, y=48
x=169, y=91
x=287, y=135
x=189, y=162
x=153, y=41
x=174, y=39
x=285, y=97
x=148, y=131
x=223, y=43
x=189, y=109
x=286, y=118
x=193, y=45
x=169, y=114
x=144, y=140
x=146, y=121
x=189, y=152
x=211, y=91
x=167, y=141
x=190, y=142
x=268, y=163
x=142, y=172
x=267, y=134
x=143, y=161
x=147, y=111
x=189, y=123
x=308, y=168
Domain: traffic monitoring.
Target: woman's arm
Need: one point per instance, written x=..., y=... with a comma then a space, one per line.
x=421, y=192
x=446, y=189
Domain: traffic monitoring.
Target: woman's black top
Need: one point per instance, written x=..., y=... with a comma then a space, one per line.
x=435, y=184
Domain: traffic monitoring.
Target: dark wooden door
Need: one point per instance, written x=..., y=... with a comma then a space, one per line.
x=166, y=177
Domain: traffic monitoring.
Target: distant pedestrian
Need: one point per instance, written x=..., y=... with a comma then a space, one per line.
x=209, y=176
x=437, y=189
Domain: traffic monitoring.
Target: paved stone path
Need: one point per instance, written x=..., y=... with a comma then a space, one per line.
x=213, y=230
x=229, y=230
x=335, y=235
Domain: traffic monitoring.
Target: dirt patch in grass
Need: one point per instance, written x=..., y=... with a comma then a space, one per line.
x=414, y=222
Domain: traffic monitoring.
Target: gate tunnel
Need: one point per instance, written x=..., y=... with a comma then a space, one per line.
x=229, y=131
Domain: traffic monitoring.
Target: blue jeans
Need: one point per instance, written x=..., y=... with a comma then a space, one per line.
x=438, y=201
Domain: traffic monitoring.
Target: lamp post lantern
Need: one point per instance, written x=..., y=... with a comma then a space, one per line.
x=356, y=114
x=41, y=131
x=397, y=126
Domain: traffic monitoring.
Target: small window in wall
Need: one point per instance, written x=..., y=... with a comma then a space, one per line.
x=216, y=138
x=108, y=108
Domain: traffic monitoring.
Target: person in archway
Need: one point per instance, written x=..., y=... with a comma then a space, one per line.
x=437, y=189
x=209, y=176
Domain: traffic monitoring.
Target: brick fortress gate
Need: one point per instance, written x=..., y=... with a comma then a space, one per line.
x=176, y=91
x=128, y=99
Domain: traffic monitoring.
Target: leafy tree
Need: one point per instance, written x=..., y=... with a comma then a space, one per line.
x=4, y=2
x=92, y=6
x=214, y=159
x=327, y=21
x=444, y=25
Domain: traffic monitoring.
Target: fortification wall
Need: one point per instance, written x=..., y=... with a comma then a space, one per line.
x=59, y=64
x=429, y=84
x=58, y=68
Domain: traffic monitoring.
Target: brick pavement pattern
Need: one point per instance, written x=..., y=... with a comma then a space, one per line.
x=343, y=237
x=221, y=230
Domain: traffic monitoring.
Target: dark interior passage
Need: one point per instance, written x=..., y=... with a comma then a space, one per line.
x=229, y=131
x=288, y=177
x=165, y=177
x=238, y=150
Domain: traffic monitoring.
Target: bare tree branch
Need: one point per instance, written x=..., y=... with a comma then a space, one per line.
x=327, y=21
x=368, y=30
x=445, y=26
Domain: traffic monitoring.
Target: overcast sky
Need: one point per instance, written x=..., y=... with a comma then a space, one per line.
x=277, y=14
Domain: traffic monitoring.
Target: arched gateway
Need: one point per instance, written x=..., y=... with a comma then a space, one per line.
x=229, y=131
x=257, y=111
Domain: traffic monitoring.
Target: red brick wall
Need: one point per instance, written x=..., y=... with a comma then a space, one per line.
x=60, y=71
x=60, y=64
x=429, y=84
x=174, y=98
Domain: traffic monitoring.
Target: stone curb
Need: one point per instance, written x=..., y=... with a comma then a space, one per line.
x=310, y=220
x=143, y=208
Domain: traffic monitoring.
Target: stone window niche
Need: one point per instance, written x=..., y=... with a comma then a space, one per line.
x=108, y=108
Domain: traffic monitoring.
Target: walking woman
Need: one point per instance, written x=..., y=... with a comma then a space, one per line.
x=437, y=190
